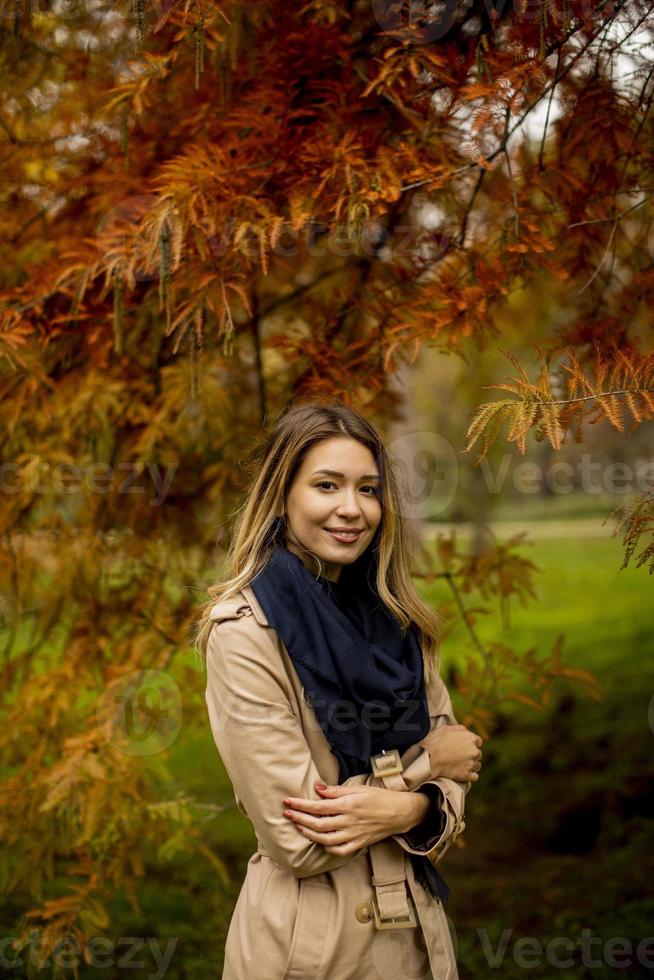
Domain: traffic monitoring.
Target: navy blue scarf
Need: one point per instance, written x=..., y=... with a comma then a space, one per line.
x=362, y=677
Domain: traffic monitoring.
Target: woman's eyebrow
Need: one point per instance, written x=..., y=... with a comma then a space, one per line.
x=368, y=476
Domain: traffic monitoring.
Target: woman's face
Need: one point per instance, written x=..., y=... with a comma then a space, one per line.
x=336, y=488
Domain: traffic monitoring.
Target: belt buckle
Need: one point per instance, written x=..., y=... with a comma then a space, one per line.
x=398, y=922
x=380, y=763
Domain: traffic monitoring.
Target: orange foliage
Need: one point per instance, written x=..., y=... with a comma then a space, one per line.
x=210, y=209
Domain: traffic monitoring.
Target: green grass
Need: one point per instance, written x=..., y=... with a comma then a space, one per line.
x=580, y=592
x=557, y=506
x=559, y=827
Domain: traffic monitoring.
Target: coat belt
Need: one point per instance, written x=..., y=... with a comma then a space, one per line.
x=390, y=904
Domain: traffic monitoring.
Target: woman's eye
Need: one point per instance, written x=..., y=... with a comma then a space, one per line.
x=328, y=483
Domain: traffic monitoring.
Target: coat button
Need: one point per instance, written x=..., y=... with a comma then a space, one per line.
x=363, y=912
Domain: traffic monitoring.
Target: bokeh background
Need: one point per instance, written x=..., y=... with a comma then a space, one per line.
x=441, y=215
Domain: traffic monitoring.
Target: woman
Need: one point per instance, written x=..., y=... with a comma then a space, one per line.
x=329, y=714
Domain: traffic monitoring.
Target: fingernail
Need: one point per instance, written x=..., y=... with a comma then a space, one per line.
x=321, y=785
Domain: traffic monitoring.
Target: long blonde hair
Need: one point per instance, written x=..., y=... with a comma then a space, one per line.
x=259, y=523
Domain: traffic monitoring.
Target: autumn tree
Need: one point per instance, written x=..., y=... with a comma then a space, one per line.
x=211, y=209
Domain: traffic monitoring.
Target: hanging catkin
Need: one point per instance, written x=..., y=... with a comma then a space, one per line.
x=165, y=272
x=566, y=16
x=198, y=41
x=124, y=136
x=118, y=314
x=192, y=343
x=139, y=19
x=542, y=24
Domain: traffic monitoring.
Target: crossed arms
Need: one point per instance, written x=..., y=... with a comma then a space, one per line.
x=267, y=758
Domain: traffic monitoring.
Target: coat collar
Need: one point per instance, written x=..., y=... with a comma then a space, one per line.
x=232, y=608
x=255, y=605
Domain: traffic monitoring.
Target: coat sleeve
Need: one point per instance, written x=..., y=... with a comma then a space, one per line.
x=444, y=819
x=261, y=743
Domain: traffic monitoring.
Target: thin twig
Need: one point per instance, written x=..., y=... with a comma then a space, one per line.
x=549, y=108
x=500, y=149
x=616, y=221
x=585, y=398
x=514, y=193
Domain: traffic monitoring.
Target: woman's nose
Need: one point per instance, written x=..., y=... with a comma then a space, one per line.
x=349, y=506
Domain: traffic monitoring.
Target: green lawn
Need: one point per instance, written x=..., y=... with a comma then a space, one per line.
x=602, y=611
x=560, y=827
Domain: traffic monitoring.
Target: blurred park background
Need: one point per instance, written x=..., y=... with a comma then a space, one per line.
x=212, y=210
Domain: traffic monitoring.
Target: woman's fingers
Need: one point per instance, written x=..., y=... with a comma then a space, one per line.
x=314, y=806
x=325, y=837
x=315, y=822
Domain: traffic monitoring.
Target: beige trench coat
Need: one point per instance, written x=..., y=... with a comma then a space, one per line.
x=303, y=913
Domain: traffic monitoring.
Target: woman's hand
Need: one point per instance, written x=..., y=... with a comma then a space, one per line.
x=348, y=818
x=454, y=752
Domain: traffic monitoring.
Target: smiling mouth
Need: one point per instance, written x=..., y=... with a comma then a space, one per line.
x=345, y=537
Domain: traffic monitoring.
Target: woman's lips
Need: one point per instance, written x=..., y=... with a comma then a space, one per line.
x=343, y=537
